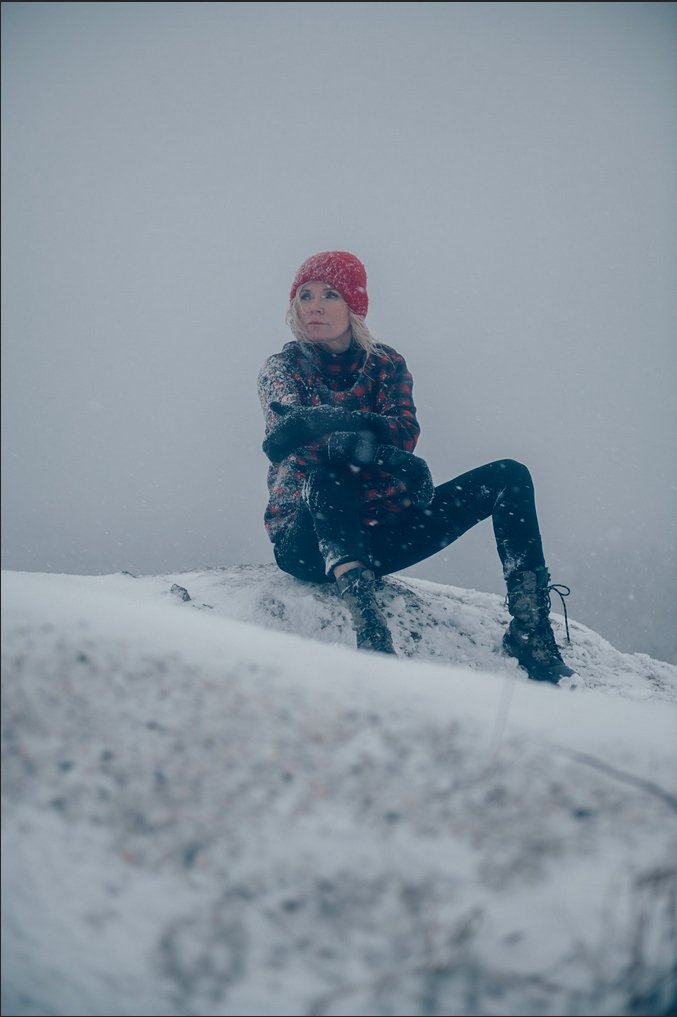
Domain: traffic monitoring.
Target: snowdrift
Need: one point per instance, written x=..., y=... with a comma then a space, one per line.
x=214, y=805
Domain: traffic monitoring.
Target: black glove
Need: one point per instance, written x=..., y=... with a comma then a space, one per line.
x=359, y=450
x=301, y=424
x=409, y=468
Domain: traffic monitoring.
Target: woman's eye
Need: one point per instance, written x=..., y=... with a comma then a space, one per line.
x=331, y=294
x=304, y=296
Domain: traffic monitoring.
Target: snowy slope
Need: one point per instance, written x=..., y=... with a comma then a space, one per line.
x=214, y=805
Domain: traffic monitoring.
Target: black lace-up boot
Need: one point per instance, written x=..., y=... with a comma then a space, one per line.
x=356, y=588
x=530, y=637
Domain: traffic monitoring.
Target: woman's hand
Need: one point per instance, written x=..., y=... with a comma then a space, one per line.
x=362, y=450
x=302, y=424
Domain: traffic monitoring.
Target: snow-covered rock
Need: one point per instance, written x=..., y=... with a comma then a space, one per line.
x=214, y=805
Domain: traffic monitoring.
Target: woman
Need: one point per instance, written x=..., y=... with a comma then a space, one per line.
x=349, y=502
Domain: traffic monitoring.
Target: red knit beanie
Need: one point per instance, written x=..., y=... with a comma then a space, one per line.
x=343, y=271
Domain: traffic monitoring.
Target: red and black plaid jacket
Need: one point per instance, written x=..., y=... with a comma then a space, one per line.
x=304, y=374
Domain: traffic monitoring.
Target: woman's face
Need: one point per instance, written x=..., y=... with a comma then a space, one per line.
x=325, y=315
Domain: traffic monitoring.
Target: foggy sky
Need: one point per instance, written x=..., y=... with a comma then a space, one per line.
x=506, y=171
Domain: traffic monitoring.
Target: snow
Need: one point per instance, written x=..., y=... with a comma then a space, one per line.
x=212, y=804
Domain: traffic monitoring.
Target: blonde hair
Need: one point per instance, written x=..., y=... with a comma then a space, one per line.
x=358, y=327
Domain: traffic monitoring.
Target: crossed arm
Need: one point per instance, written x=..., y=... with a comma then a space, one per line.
x=331, y=433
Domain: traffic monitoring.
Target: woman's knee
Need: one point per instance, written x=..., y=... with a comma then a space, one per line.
x=516, y=474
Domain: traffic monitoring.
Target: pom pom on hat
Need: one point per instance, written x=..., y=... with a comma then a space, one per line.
x=343, y=271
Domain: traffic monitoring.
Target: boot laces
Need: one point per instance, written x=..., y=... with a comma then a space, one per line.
x=562, y=591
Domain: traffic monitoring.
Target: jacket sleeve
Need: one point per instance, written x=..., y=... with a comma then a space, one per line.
x=280, y=394
x=396, y=404
x=276, y=387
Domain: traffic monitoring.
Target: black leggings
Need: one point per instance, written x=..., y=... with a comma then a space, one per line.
x=327, y=532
